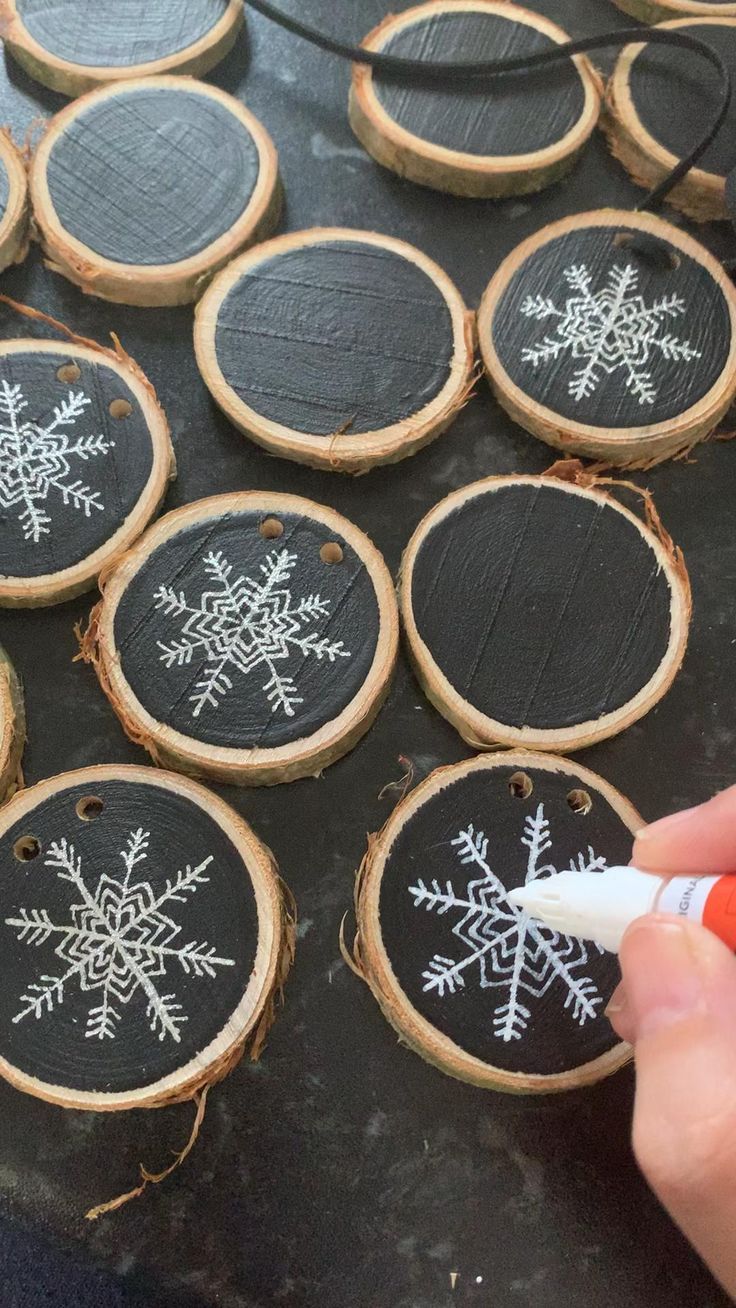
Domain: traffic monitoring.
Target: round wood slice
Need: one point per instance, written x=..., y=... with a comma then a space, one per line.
x=337, y=348
x=469, y=981
x=541, y=614
x=248, y=637
x=80, y=44
x=611, y=334
x=655, y=11
x=85, y=460
x=505, y=137
x=143, y=189
x=654, y=97
x=12, y=728
x=144, y=938
x=14, y=203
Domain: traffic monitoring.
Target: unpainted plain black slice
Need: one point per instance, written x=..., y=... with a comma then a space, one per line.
x=118, y=33
x=340, y=336
x=152, y=175
x=244, y=641
x=128, y=940
x=70, y=472
x=607, y=335
x=517, y=996
x=542, y=608
x=518, y=114
x=4, y=189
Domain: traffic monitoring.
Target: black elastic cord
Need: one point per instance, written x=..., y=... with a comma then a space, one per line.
x=411, y=70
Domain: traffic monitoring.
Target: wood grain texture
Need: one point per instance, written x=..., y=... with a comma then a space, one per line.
x=14, y=203
x=653, y=99
x=508, y=137
x=334, y=347
x=172, y=833
x=603, y=346
x=540, y=614
x=83, y=44
x=12, y=728
x=656, y=11
x=232, y=645
x=401, y=928
x=141, y=191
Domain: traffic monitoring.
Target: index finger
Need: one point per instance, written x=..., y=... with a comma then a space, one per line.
x=697, y=841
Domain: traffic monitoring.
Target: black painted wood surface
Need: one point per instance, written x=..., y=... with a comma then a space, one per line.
x=70, y=473
x=542, y=608
x=670, y=95
x=518, y=114
x=4, y=188
x=152, y=175
x=247, y=642
x=519, y=998
x=339, y=336
x=127, y=942
x=605, y=335
x=342, y=1169
x=118, y=33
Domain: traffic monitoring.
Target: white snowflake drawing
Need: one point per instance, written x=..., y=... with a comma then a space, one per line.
x=36, y=459
x=117, y=940
x=512, y=951
x=610, y=330
x=242, y=624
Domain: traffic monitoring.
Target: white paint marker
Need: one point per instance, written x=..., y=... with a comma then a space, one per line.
x=600, y=905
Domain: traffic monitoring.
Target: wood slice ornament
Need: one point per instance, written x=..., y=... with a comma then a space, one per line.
x=14, y=203
x=469, y=981
x=248, y=637
x=508, y=137
x=12, y=728
x=145, y=939
x=654, y=97
x=337, y=348
x=85, y=461
x=611, y=334
x=541, y=613
x=79, y=45
x=143, y=189
x=657, y=11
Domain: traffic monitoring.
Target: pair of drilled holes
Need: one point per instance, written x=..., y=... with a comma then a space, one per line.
x=521, y=787
x=71, y=372
x=644, y=245
x=26, y=848
x=330, y=552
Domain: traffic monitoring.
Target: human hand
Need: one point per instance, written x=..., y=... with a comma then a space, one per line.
x=677, y=1007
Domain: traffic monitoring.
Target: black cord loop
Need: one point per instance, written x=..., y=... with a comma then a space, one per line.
x=448, y=73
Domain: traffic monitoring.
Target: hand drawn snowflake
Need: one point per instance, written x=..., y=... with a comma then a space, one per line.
x=611, y=330
x=513, y=951
x=244, y=624
x=117, y=941
x=35, y=459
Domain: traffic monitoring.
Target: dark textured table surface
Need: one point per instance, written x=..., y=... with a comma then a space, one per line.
x=342, y=1170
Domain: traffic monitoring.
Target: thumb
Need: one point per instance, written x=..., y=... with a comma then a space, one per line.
x=677, y=1006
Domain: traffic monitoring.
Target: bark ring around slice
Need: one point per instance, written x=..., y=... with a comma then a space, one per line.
x=14, y=203
x=85, y=460
x=73, y=49
x=469, y=981
x=12, y=728
x=656, y=11
x=338, y=348
x=249, y=637
x=611, y=334
x=542, y=614
x=653, y=99
x=494, y=139
x=143, y=189
x=146, y=938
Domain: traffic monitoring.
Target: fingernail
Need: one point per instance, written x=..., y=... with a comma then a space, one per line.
x=665, y=824
x=664, y=980
x=618, y=1013
x=617, y=1002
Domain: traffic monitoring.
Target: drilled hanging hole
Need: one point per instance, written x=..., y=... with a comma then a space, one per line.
x=520, y=785
x=68, y=372
x=26, y=848
x=89, y=807
x=580, y=801
x=121, y=409
x=331, y=552
x=649, y=248
x=271, y=528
